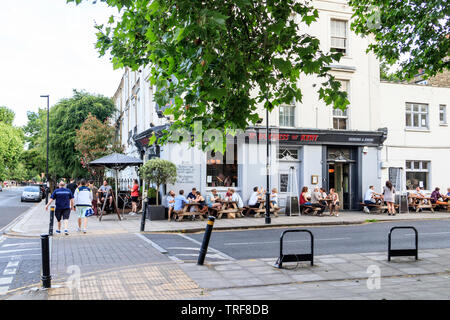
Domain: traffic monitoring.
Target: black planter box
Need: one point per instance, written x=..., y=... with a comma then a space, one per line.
x=156, y=212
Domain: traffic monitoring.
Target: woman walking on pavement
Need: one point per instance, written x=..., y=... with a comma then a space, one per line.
x=389, y=197
x=83, y=202
x=134, y=197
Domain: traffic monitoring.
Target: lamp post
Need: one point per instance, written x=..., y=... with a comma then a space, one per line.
x=267, y=220
x=46, y=170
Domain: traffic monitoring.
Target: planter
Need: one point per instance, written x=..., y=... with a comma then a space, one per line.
x=151, y=201
x=156, y=213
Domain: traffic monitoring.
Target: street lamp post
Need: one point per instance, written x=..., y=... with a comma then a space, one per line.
x=46, y=171
x=268, y=220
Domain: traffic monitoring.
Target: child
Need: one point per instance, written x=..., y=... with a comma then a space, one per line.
x=274, y=198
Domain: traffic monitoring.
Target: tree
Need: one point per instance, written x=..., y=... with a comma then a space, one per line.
x=414, y=33
x=94, y=140
x=66, y=117
x=6, y=115
x=34, y=156
x=159, y=172
x=11, y=143
x=220, y=59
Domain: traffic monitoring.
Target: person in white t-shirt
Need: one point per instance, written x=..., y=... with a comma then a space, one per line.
x=253, y=201
x=369, y=198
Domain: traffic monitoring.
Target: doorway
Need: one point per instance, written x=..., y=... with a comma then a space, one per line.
x=339, y=179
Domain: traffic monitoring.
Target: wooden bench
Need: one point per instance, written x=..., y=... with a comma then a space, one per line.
x=306, y=207
x=421, y=205
x=180, y=214
x=380, y=207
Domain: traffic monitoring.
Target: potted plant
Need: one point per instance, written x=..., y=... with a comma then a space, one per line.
x=158, y=172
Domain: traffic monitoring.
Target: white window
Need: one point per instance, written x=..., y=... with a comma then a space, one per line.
x=417, y=174
x=416, y=116
x=287, y=115
x=338, y=36
x=340, y=117
x=442, y=114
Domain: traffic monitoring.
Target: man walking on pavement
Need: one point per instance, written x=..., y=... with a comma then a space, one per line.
x=83, y=201
x=63, y=203
x=72, y=186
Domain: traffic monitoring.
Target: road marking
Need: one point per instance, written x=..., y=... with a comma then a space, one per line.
x=215, y=255
x=20, y=244
x=427, y=233
x=21, y=255
x=13, y=264
x=209, y=248
x=284, y=241
x=9, y=272
x=17, y=250
x=154, y=245
x=6, y=280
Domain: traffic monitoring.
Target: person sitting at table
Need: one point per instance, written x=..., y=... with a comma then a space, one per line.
x=255, y=196
x=170, y=200
x=180, y=201
x=448, y=192
x=323, y=197
x=369, y=198
x=201, y=201
x=304, y=196
x=274, y=198
x=105, y=192
x=213, y=200
x=237, y=198
x=192, y=195
x=228, y=195
x=334, y=205
x=435, y=196
x=315, y=200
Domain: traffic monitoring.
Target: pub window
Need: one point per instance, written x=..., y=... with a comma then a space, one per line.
x=442, y=114
x=340, y=117
x=287, y=115
x=287, y=154
x=416, y=116
x=221, y=169
x=417, y=174
x=338, y=36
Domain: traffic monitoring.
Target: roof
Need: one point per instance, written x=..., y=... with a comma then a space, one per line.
x=116, y=161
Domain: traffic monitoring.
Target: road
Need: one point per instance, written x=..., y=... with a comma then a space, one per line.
x=19, y=258
x=10, y=205
x=265, y=243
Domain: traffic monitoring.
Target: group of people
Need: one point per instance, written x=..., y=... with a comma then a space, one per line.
x=437, y=198
x=82, y=197
x=212, y=201
x=387, y=195
x=320, y=199
x=76, y=197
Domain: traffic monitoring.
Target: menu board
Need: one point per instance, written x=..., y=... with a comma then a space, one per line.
x=185, y=174
x=284, y=182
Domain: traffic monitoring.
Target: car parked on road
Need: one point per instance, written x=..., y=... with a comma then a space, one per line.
x=31, y=193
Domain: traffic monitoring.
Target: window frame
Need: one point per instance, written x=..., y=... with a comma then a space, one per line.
x=290, y=117
x=345, y=37
x=421, y=169
x=419, y=114
x=444, y=112
x=342, y=114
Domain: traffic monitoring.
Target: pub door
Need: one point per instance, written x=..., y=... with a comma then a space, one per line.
x=339, y=179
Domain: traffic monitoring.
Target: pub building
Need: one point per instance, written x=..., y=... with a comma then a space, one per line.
x=348, y=161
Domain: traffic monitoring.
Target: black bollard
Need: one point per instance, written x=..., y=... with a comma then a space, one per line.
x=144, y=215
x=46, y=277
x=204, y=248
x=52, y=218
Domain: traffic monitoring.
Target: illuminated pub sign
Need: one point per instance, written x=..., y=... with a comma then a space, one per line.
x=321, y=137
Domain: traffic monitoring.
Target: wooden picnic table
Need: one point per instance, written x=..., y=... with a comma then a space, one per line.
x=231, y=209
x=262, y=209
x=421, y=204
x=186, y=211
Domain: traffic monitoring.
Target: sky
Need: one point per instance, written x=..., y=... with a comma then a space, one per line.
x=47, y=47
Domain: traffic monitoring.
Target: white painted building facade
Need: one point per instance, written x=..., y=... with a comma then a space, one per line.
x=325, y=147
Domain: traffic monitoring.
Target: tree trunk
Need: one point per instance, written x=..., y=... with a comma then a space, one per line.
x=157, y=195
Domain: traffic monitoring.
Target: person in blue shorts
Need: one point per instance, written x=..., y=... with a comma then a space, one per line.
x=63, y=204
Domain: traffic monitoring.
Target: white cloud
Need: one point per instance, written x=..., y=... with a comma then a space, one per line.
x=48, y=47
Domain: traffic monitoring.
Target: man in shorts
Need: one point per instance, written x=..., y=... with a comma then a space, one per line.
x=63, y=203
x=83, y=201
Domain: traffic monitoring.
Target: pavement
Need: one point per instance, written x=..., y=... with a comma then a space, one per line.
x=115, y=261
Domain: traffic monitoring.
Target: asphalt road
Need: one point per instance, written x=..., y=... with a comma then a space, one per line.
x=10, y=205
x=265, y=243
